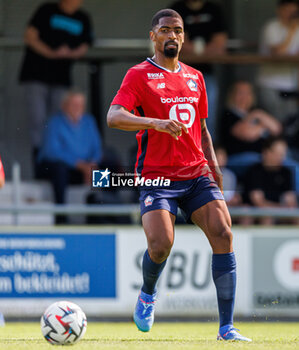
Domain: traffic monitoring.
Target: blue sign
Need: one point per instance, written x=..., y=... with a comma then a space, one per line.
x=57, y=265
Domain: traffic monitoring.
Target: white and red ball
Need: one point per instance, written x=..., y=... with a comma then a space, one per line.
x=63, y=323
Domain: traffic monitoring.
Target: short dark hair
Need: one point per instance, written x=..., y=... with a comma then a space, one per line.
x=165, y=13
x=271, y=140
x=283, y=2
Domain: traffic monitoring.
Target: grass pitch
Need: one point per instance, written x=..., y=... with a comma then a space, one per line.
x=163, y=336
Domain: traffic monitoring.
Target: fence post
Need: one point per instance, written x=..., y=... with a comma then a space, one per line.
x=16, y=191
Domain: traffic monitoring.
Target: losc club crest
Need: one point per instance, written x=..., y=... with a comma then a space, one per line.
x=192, y=85
x=101, y=178
x=148, y=201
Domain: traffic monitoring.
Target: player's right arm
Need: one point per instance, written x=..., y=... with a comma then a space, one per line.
x=119, y=117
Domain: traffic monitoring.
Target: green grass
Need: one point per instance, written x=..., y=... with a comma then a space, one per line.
x=200, y=336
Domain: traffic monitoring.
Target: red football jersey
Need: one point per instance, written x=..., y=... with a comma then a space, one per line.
x=152, y=91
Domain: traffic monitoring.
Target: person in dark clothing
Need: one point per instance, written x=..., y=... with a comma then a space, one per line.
x=270, y=183
x=244, y=128
x=205, y=34
x=56, y=36
x=291, y=133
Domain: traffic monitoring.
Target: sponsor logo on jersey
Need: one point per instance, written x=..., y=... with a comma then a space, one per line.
x=161, y=86
x=191, y=76
x=148, y=201
x=184, y=113
x=178, y=99
x=192, y=85
x=155, y=75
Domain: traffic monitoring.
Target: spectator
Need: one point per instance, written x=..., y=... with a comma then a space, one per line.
x=280, y=36
x=71, y=146
x=244, y=128
x=56, y=36
x=205, y=33
x=231, y=196
x=291, y=133
x=269, y=183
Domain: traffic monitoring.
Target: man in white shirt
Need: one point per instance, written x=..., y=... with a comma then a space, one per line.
x=280, y=36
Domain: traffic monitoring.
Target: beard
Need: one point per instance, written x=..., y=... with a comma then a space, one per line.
x=170, y=52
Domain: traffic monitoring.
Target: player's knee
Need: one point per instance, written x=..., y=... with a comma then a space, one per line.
x=159, y=255
x=226, y=234
x=159, y=250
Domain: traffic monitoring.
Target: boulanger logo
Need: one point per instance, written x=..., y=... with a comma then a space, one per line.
x=286, y=264
x=178, y=99
x=101, y=178
x=184, y=113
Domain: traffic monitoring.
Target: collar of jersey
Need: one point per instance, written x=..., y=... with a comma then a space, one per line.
x=167, y=70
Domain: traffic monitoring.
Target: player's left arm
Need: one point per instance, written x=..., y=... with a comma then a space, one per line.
x=208, y=150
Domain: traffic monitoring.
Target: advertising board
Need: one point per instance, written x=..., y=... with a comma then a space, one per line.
x=100, y=269
x=186, y=286
x=58, y=266
x=276, y=275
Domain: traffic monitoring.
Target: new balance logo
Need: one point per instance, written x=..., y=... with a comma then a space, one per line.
x=161, y=86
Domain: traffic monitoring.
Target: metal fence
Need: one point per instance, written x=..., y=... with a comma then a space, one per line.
x=131, y=210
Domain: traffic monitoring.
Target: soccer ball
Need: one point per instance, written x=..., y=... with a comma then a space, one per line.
x=63, y=323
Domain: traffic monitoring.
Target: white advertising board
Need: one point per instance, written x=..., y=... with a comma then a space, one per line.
x=186, y=286
x=275, y=264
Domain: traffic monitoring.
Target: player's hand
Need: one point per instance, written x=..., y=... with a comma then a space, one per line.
x=171, y=127
x=62, y=52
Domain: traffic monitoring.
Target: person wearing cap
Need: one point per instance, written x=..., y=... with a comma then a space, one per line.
x=278, y=82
